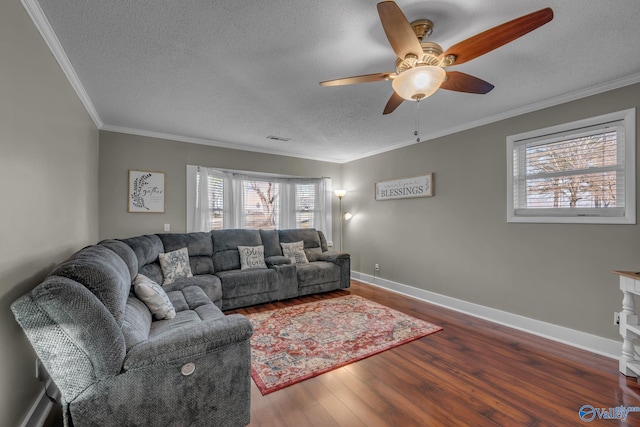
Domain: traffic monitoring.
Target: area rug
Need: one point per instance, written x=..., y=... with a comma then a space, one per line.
x=295, y=343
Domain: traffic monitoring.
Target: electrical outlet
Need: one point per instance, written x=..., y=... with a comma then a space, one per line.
x=377, y=267
x=167, y=227
x=616, y=318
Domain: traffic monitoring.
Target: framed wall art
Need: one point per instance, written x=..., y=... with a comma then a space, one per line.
x=146, y=191
x=405, y=188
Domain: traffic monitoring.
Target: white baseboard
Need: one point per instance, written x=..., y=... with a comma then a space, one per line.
x=39, y=411
x=593, y=343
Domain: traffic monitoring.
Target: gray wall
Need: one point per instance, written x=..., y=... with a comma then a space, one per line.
x=121, y=152
x=48, y=186
x=459, y=244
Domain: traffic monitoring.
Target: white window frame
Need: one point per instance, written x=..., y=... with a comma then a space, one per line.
x=578, y=216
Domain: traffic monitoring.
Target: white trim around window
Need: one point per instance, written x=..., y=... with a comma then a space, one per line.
x=554, y=175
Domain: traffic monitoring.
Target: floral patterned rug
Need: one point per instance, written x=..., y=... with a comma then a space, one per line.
x=295, y=343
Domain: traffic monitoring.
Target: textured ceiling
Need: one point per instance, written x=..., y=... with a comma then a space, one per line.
x=229, y=73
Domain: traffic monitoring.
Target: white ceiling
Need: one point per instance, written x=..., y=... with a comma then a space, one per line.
x=229, y=72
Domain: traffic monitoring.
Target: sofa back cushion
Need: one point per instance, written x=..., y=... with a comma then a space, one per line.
x=309, y=237
x=271, y=242
x=104, y=273
x=147, y=249
x=72, y=332
x=199, y=246
x=323, y=241
x=125, y=252
x=225, y=247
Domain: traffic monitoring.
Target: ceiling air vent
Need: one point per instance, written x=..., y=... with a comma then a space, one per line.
x=278, y=138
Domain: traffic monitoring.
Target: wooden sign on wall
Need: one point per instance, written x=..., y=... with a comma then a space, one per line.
x=405, y=188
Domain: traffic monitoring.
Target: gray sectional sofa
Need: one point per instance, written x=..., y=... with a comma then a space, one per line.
x=115, y=364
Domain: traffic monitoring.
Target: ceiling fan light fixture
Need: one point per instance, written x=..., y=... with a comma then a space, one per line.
x=419, y=82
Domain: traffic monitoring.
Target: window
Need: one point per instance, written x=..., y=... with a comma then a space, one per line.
x=256, y=201
x=260, y=204
x=581, y=172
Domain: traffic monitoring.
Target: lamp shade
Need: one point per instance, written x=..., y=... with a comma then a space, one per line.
x=340, y=193
x=419, y=82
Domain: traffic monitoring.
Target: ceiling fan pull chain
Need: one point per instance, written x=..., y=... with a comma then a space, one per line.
x=417, y=131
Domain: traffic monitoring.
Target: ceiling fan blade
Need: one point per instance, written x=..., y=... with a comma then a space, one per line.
x=461, y=82
x=357, y=79
x=401, y=37
x=498, y=36
x=393, y=103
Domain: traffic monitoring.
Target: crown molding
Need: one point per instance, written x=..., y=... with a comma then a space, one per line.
x=42, y=24
x=212, y=143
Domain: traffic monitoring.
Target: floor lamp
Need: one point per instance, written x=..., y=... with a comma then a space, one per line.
x=341, y=194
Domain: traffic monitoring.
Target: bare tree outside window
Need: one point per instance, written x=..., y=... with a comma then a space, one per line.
x=261, y=204
x=579, y=172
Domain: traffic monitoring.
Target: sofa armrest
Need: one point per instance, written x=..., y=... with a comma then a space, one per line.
x=342, y=260
x=190, y=341
x=272, y=261
x=333, y=256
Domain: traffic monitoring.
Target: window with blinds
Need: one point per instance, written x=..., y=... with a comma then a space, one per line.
x=306, y=210
x=580, y=172
x=216, y=199
x=237, y=199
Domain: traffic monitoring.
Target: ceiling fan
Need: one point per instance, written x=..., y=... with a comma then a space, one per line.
x=420, y=66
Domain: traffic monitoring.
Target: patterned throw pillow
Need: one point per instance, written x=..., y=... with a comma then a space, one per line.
x=175, y=265
x=294, y=251
x=154, y=297
x=251, y=257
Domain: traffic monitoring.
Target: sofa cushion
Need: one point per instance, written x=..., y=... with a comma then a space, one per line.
x=137, y=322
x=309, y=236
x=147, y=248
x=251, y=257
x=199, y=245
x=175, y=265
x=271, y=243
x=154, y=297
x=104, y=273
x=237, y=283
x=209, y=283
x=225, y=247
x=316, y=273
x=125, y=252
x=323, y=241
x=295, y=252
x=313, y=254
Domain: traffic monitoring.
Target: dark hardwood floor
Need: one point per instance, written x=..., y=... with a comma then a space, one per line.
x=473, y=373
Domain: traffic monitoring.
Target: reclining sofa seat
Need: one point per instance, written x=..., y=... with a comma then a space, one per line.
x=325, y=271
x=114, y=366
x=241, y=288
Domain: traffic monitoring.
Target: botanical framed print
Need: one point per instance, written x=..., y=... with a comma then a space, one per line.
x=146, y=191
